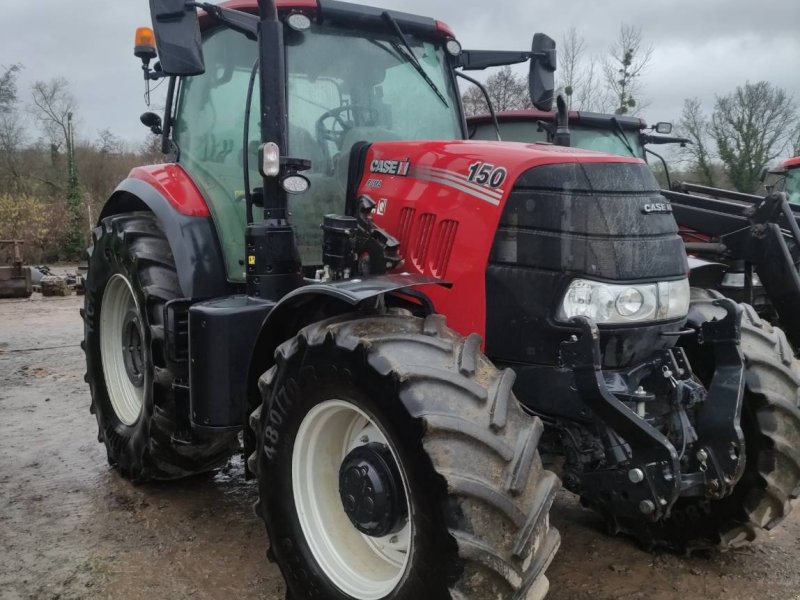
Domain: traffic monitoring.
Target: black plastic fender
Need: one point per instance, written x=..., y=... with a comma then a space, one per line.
x=318, y=301
x=193, y=240
x=706, y=274
x=307, y=305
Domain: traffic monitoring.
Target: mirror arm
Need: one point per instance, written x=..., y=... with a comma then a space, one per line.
x=664, y=139
x=166, y=142
x=237, y=20
x=478, y=60
x=664, y=163
x=548, y=128
x=488, y=99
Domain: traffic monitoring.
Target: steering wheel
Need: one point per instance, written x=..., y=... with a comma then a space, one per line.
x=340, y=125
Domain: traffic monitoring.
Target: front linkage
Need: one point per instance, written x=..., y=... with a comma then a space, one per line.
x=644, y=471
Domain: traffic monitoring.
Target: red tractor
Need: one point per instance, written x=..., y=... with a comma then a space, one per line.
x=789, y=180
x=394, y=316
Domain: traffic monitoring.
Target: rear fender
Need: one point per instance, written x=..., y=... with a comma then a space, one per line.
x=192, y=239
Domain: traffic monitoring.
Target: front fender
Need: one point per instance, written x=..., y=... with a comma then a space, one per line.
x=310, y=304
x=318, y=301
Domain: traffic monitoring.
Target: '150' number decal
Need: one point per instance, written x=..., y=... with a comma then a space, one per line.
x=486, y=174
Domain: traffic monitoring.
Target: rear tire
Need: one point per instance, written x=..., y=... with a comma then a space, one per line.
x=479, y=497
x=131, y=270
x=771, y=423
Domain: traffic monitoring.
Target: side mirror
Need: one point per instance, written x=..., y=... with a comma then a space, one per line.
x=152, y=121
x=541, y=81
x=177, y=30
x=663, y=128
x=763, y=175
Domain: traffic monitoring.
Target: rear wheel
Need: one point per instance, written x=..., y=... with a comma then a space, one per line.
x=394, y=462
x=131, y=277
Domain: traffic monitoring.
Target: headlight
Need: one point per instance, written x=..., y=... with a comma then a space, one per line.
x=608, y=304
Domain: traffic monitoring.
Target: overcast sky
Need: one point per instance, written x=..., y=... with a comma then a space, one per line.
x=702, y=47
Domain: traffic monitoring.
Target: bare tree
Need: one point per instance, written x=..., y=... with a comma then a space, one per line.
x=622, y=71
x=506, y=90
x=752, y=127
x=53, y=105
x=580, y=82
x=695, y=126
x=108, y=143
x=12, y=134
x=8, y=88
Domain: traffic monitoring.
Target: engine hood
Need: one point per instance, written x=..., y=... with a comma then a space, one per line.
x=443, y=201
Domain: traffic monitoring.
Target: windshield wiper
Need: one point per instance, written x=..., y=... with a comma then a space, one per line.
x=620, y=133
x=407, y=51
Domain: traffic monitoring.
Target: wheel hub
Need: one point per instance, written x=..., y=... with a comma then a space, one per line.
x=132, y=351
x=371, y=491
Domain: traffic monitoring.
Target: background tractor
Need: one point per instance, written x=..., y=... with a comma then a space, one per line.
x=603, y=132
x=787, y=180
x=393, y=314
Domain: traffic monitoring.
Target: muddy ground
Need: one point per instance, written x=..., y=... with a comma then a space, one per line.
x=71, y=528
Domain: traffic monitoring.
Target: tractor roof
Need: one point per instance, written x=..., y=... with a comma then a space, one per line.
x=343, y=12
x=575, y=118
x=792, y=163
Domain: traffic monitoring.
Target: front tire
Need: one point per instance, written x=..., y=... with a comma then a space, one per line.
x=471, y=521
x=763, y=497
x=131, y=277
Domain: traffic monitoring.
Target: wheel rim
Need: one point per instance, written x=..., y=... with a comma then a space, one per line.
x=122, y=349
x=364, y=567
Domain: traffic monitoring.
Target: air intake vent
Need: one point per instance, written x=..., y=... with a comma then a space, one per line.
x=445, y=237
x=422, y=241
x=404, y=227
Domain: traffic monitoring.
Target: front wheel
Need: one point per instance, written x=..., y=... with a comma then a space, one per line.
x=393, y=462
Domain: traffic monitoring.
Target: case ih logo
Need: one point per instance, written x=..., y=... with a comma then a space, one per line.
x=390, y=167
x=656, y=208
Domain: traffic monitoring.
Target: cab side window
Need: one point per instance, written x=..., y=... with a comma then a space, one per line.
x=209, y=132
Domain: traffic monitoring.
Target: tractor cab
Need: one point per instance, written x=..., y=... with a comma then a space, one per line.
x=788, y=180
x=344, y=84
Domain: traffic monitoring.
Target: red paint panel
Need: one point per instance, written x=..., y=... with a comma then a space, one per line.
x=445, y=29
x=792, y=163
x=459, y=254
x=172, y=182
x=252, y=5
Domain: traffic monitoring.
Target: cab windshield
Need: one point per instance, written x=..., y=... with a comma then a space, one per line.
x=607, y=140
x=791, y=185
x=346, y=86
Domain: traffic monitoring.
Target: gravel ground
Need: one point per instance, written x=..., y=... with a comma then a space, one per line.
x=71, y=528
